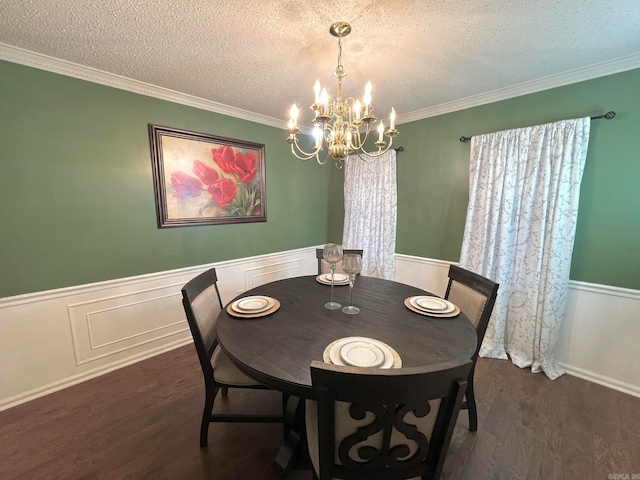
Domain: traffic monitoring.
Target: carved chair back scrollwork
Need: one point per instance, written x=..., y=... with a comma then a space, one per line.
x=376, y=424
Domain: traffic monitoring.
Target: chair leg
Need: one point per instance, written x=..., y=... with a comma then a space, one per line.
x=206, y=416
x=471, y=405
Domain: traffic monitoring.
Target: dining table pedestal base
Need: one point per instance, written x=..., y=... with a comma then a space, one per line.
x=293, y=453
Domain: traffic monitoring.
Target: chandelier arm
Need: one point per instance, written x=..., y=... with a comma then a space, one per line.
x=301, y=154
x=325, y=159
x=361, y=141
x=300, y=157
x=309, y=156
x=373, y=156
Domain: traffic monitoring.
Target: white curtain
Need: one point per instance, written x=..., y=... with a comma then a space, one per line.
x=524, y=187
x=370, y=205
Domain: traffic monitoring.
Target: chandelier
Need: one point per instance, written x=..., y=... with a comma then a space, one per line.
x=343, y=125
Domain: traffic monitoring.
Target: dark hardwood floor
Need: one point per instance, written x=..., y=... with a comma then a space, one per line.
x=142, y=422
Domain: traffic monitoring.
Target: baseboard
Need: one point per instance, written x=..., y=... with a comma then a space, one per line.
x=601, y=380
x=83, y=377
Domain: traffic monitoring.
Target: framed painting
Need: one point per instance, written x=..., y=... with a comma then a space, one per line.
x=202, y=179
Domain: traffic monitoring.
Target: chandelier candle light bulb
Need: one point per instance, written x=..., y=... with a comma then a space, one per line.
x=367, y=99
x=317, y=133
x=343, y=125
x=324, y=101
x=294, y=116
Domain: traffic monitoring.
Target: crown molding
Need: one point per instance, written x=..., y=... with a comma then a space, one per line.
x=70, y=69
x=618, y=65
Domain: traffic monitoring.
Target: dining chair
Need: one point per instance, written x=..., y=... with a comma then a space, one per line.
x=323, y=265
x=476, y=296
x=369, y=423
x=202, y=304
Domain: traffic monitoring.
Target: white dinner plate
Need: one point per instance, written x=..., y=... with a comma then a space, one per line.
x=323, y=280
x=333, y=352
x=254, y=304
x=362, y=354
x=337, y=277
x=432, y=304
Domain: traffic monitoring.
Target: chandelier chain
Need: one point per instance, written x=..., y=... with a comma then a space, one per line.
x=340, y=67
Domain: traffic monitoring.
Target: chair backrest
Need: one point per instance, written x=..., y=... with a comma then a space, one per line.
x=366, y=419
x=202, y=304
x=475, y=295
x=323, y=265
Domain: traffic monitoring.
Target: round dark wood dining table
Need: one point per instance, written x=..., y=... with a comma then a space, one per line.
x=277, y=349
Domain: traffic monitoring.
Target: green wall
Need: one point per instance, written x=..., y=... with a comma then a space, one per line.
x=76, y=189
x=433, y=176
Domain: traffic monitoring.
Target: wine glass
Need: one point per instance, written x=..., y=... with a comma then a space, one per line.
x=351, y=264
x=332, y=254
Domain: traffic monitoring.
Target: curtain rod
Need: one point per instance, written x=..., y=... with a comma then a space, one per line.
x=399, y=149
x=607, y=116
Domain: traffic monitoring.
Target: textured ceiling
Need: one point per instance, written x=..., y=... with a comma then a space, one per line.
x=261, y=56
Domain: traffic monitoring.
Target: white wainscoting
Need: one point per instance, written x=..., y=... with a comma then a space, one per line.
x=599, y=337
x=54, y=339
x=426, y=273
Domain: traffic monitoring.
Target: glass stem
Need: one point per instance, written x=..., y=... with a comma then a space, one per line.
x=333, y=267
x=351, y=292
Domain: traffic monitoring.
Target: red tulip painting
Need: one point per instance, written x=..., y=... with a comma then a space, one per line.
x=201, y=179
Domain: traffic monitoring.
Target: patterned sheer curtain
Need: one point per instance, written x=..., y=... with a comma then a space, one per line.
x=524, y=188
x=370, y=205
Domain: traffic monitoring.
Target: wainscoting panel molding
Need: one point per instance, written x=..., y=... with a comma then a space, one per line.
x=426, y=273
x=54, y=339
x=104, y=326
x=262, y=274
